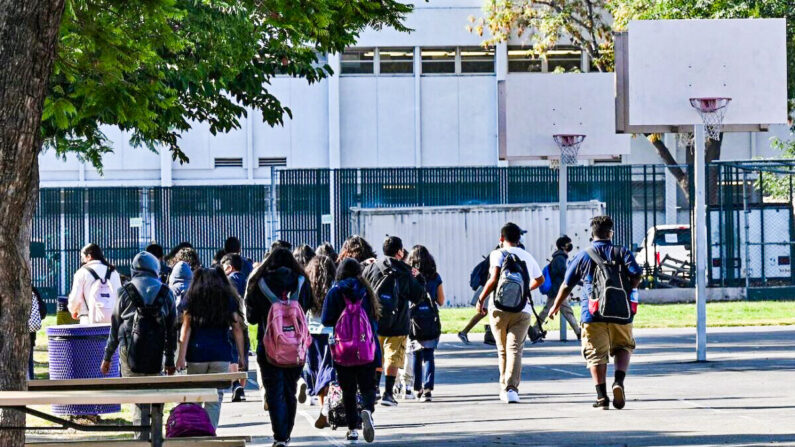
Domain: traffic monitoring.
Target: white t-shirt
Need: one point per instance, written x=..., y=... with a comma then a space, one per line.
x=497, y=257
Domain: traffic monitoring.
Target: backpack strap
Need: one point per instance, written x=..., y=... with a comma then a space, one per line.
x=294, y=296
x=135, y=297
x=597, y=258
x=93, y=273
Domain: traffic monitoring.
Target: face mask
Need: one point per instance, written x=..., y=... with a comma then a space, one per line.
x=569, y=247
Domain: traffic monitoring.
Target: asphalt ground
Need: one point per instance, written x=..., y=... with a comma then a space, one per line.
x=744, y=395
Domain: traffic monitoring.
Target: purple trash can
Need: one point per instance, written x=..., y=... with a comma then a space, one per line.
x=76, y=352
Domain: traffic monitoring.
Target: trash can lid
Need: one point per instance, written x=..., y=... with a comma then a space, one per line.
x=78, y=330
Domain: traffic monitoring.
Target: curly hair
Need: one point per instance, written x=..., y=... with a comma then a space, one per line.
x=356, y=247
x=320, y=272
x=208, y=299
x=350, y=268
x=187, y=255
x=420, y=258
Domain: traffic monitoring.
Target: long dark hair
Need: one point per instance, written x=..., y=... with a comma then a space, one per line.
x=276, y=258
x=320, y=272
x=303, y=254
x=208, y=299
x=358, y=248
x=420, y=258
x=350, y=268
x=95, y=252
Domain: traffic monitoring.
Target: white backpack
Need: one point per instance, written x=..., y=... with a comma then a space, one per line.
x=101, y=299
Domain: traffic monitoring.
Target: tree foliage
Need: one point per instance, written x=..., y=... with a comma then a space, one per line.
x=154, y=67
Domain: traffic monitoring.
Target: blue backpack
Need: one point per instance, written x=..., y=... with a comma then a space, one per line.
x=546, y=286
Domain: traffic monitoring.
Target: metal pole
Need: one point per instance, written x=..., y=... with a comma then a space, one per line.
x=747, y=231
x=563, y=203
x=700, y=233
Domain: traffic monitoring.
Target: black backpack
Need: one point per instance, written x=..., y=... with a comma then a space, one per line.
x=148, y=333
x=609, y=300
x=512, y=292
x=387, y=289
x=425, y=321
x=479, y=275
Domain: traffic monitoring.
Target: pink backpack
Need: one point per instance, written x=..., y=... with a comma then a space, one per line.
x=286, y=338
x=188, y=420
x=354, y=344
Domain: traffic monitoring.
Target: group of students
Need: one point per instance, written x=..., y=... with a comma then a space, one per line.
x=336, y=323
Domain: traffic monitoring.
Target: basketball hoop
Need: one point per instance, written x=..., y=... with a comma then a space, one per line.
x=712, y=111
x=569, y=145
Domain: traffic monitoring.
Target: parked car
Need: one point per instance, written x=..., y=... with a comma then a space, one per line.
x=665, y=248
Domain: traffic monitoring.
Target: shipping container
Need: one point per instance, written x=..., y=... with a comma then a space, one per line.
x=460, y=236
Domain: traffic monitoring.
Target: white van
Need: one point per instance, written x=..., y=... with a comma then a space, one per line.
x=672, y=241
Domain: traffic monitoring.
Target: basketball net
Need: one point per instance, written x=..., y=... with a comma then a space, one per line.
x=569, y=145
x=712, y=111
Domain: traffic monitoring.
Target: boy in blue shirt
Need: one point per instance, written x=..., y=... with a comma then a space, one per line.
x=601, y=339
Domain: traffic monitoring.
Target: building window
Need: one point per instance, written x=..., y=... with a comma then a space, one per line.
x=523, y=60
x=477, y=60
x=438, y=60
x=357, y=61
x=396, y=60
x=564, y=59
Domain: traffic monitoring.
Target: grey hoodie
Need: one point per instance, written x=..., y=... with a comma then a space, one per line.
x=179, y=281
x=145, y=279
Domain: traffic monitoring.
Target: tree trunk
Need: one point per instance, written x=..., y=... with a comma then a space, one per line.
x=28, y=37
x=712, y=153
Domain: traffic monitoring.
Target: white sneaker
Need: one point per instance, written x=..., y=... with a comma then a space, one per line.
x=408, y=395
x=504, y=396
x=513, y=397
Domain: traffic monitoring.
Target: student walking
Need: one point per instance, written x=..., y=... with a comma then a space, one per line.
x=426, y=327
x=319, y=369
x=477, y=280
x=514, y=273
x=557, y=271
x=395, y=287
x=142, y=327
x=326, y=249
x=278, y=289
x=94, y=287
x=232, y=246
x=358, y=248
x=231, y=265
x=303, y=254
x=179, y=281
x=352, y=308
x=609, y=273
x=156, y=250
x=213, y=309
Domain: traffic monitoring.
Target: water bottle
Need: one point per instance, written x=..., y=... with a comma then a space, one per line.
x=634, y=298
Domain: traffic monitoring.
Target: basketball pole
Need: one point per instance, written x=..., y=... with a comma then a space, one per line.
x=700, y=233
x=563, y=204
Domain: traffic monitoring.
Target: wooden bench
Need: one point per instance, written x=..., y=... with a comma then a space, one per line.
x=231, y=441
x=182, y=381
x=155, y=398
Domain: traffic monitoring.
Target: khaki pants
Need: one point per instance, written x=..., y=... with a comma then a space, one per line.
x=393, y=350
x=510, y=332
x=602, y=339
x=565, y=310
x=213, y=408
x=141, y=413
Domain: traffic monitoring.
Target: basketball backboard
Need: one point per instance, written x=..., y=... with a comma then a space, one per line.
x=540, y=105
x=661, y=64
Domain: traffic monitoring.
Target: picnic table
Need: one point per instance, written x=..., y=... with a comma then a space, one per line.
x=151, y=391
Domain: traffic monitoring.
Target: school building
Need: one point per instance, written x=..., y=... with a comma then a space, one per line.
x=429, y=98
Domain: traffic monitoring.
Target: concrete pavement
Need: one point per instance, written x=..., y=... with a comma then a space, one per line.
x=744, y=395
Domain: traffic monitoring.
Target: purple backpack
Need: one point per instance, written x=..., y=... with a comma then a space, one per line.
x=187, y=420
x=354, y=344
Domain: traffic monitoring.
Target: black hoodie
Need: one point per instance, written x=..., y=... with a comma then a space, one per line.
x=411, y=291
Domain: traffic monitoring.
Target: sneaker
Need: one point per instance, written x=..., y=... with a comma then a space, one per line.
x=352, y=435
x=302, y=392
x=426, y=396
x=463, y=337
x=238, y=394
x=619, y=399
x=602, y=404
x=368, y=427
x=513, y=397
x=388, y=400
x=321, y=422
x=408, y=395
x=504, y=396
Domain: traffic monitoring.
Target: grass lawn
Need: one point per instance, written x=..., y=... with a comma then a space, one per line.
x=735, y=313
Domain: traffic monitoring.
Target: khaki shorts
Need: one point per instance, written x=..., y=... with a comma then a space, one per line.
x=602, y=339
x=394, y=350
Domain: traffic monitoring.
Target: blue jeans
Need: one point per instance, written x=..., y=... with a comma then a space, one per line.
x=281, y=385
x=424, y=369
